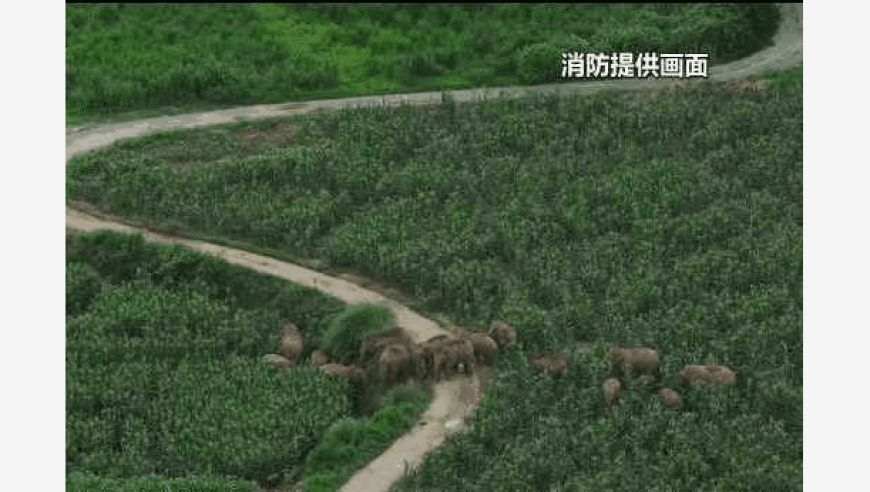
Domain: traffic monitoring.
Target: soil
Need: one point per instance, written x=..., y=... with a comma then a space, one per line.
x=453, y=400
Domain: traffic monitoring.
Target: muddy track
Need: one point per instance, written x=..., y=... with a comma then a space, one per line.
x=454, y=400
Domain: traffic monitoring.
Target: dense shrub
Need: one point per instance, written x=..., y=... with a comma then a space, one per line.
x=83, y=285
x=349, y=328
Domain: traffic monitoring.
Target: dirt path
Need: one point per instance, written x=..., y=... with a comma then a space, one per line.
x=453, y=401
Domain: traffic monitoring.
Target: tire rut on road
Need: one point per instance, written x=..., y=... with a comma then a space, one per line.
x=450, y=405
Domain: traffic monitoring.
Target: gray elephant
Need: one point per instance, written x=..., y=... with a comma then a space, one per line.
x=485, y=348
x=353, y=374
x=373, y=345
x=429, y=357
x=503, y=333
x=292, y=342
x=555, y=365
x=638, y=360
x=393, y=365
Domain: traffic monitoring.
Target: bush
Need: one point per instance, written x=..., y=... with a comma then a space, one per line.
x=352, y=443
x=539, y=62
x=83, y=285
x=347, y=331
x=79, y=482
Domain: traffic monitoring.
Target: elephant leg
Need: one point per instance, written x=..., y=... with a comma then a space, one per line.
x=436, y=365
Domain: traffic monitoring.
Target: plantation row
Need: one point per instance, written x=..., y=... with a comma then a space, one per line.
x=672, y=222
x=123, y=58
x=165, y=386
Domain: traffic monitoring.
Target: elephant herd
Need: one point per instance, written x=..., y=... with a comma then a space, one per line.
x=392, y=357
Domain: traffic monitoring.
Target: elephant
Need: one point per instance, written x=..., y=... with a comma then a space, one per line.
x=292, y=342
x=319, y=358
x=279, y=362
x=612, y=392
x=555, y=365
x=670, y=398
x=485, y=348
x=373, y=345
x=393, y=364
x=353, y=374
x=639, y=360
x=503, y=333
x=452, y=354
x=429, y=355
x=459, y=356
x=709, y=374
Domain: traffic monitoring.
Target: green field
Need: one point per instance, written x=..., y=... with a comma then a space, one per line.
x=128, y=61
x=165, y=389
x=673, y=222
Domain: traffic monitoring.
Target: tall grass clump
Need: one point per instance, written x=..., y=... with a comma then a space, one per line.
x=349, y=328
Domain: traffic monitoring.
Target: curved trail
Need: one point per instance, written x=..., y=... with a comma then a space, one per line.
x=454, y=400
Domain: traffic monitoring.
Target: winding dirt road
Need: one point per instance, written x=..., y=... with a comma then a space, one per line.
x=454, y=400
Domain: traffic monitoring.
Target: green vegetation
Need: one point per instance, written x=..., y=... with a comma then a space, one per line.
x=785, y=79
x=673, y=222
x=164, y=375
x=353, y=325
x=82, y=287
x=352, y=443
x=148, y=59
x=78, y=482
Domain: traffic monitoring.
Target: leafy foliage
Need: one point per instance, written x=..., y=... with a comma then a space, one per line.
x=79, y=482
x=164, y=375
x=350, y=327
x=351, y=444
x=172, y=58
x=83, y=285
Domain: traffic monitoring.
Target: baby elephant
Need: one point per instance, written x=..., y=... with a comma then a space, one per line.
x=639, y=360
x=709, y=374
x=319, y=358
x=279, y=362
x=612, y=392
x=555, y=365
x=503, y=333
x=292, y=342
x=353, y=374
x=670, y=398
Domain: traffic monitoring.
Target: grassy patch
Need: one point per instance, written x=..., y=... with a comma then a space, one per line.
x=164, y=375
x=352, y=443
x=346, y=332
x=673, y=222
x=78, y=482
x=129, y=61
x=792, y=79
